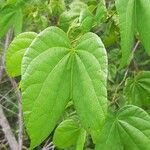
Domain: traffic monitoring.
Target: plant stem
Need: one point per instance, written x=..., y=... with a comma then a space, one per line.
x=3, y=120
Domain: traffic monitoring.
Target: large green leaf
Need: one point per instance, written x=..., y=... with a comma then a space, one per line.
x=128, y=129
x=137, y=89
x=68, y=133
x=53, y=72
x=134, y=16
x=16, y=51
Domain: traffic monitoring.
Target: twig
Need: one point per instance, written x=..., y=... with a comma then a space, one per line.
x=3, y=120
x=19, y=98
x=125, y=76
x=48, y=145
x=4, y=97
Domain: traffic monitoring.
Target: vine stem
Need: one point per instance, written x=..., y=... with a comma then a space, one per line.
x=125, y=75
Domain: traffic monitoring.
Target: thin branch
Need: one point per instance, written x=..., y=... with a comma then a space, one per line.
x=19, y=98
x=4, y=97
x=125, y=76
x=48, y=145
x=3, y=120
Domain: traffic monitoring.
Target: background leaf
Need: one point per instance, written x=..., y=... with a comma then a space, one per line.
x=11, y=17
x=126, y=14
x=143, y=12
x=137, y=89
x=129, y=128
x=101, y=12
x=129, y=12
x=16, y=51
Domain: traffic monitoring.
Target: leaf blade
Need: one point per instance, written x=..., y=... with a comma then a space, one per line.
x=16, y=51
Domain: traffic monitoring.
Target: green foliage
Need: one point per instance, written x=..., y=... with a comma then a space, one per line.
x=16, y=51
x=64, y=74
x=11, y=17
x=68, y=18
x=129, y=12
x=91, y=16
x=129, y=128
x=57, y=6
x=137, y=89
x=69, y=133
x=51, y=61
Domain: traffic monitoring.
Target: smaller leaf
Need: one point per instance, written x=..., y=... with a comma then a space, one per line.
x=86, y=20
x=101, y=12
x=18, y=23
x=128, y=129
x=57, y=6
x=137, y=89
x=87, y=24
x=16, y=51
x=143, y=27
x=68, y=134
x=81, y=140
x=126, y=14
x=68, y=17
x=6, y=19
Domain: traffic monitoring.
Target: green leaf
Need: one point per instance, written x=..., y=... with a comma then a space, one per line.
x=57, y=6
x=81, y=140
x=68, y=17
x=18, y=23
x=143, y=24
x=53, y=72
x=137, y=89
x=67, y=134
x=11, y=1
x=128, y=129
x=86, y=20
x=6, y=21
x=129, y=12
x=126, y=14
x=11, y=17
x=101, y=12
x=91, y=71
x=16, y=51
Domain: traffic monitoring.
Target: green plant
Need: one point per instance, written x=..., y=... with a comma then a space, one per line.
x=64, y=72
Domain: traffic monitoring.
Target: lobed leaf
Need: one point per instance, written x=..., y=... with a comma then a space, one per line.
x=129, y=128
x=137, y=89
x=53, y=72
